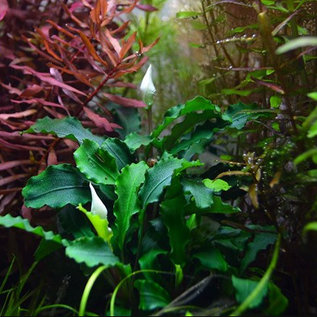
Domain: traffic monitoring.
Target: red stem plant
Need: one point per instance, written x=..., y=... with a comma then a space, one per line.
x=59, y=59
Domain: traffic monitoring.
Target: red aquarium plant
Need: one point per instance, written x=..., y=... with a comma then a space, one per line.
x=60, y=59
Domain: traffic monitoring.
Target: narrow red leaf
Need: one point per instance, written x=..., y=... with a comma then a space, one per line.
x=10, y=164
x=272, y=86
x=100, y=122
x=146, y=7
x=127, y=45
x=31, y=91
x=126, y=102
x=114, y=42
x=3, y=8
x=10, y=179
x=52, y=158
x=21, y=114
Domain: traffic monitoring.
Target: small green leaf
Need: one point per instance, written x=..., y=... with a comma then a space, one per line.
x=304, y=156
x=244, y=288
x=232, y=91
x=56, y=187
x=135, y=140
x=127, y=204
x=275, y=101
x=187, y=14
x=219, y=207
x=312, y=132
x=201, y=194
x=313, y=95
x=91, y=251
x=212, y=259
x=277, y=301
x=68, y=127
x=310, y=226
x=96, y=163
x=152, y=295
x=216, y=185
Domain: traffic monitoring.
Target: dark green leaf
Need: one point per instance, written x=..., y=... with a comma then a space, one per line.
x=152, y=295
x=91, y=251
x=160, y=176
x=212, y=259
x=219, y=207
x=244, y=287
x=173, y=216
x=74, y=222
x=68, y=127
x=260, y=242
x=119, y=150
x=45, y=248
x=127, y=204
x=56, y=187
x=277, y=301
x=147, y=260
x=201, y=194
x=96, y=163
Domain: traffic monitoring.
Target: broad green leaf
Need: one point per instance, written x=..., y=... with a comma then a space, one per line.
x=18, y=222
x=187, y=14
x=147, y=260
x=101, y=225
x=91, y=251
x=297, y=43
x=216, y=185
x=127, y=203
x=96, y=163
x=119, y=150
x=152, y=295
x=260, y=242
x=134, y=141
x=244, y=287
x=68, y=127
x=277, y=301
x=56, y=187
x=212, y=259
x=173, y=216
x=74, y=223
x=201, y=194
x=304, y=156
x=219, y=207
x=160, y=176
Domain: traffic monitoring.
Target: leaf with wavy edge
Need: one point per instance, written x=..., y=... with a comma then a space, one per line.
x=56, y=187
x=18, y=222
x=96, y=163
x=135, y=140
x=91, y=251
x=160, y=176
x=127, y=203
x=119, y=150
x=68, y=127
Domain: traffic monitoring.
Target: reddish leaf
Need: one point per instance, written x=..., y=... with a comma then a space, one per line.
x=272, y=86
x=121, y=28
x=52, y=158
x=105, y=47
x=46, y=78
x=74, y=18
x=31, y=91
x=10, y=179
x=10, y=164
x=3, y=8
x=127, y=102
x=42, y=102
x=99, y=121
x=60, y=29
x=146, y=7
x=21, y=114
x=114, y=42
x=122, y=84
x=20, y=147
x=127, y=45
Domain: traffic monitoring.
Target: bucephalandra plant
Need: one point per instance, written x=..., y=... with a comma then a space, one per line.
x=158, y=216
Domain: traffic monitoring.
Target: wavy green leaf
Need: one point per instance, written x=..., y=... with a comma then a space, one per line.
x=135, y=140
x=119, y=150
x=173, y=215
x=212, y=259
x=219, y=207
x=160, y=176
x=245, y=287
x=91, y=251
x=68, y=127
x=216, y=185
x=18, y=222
x=200, y=193
x=152, y=295
x=127, y=203
x=96, y=163
x=56, y=187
